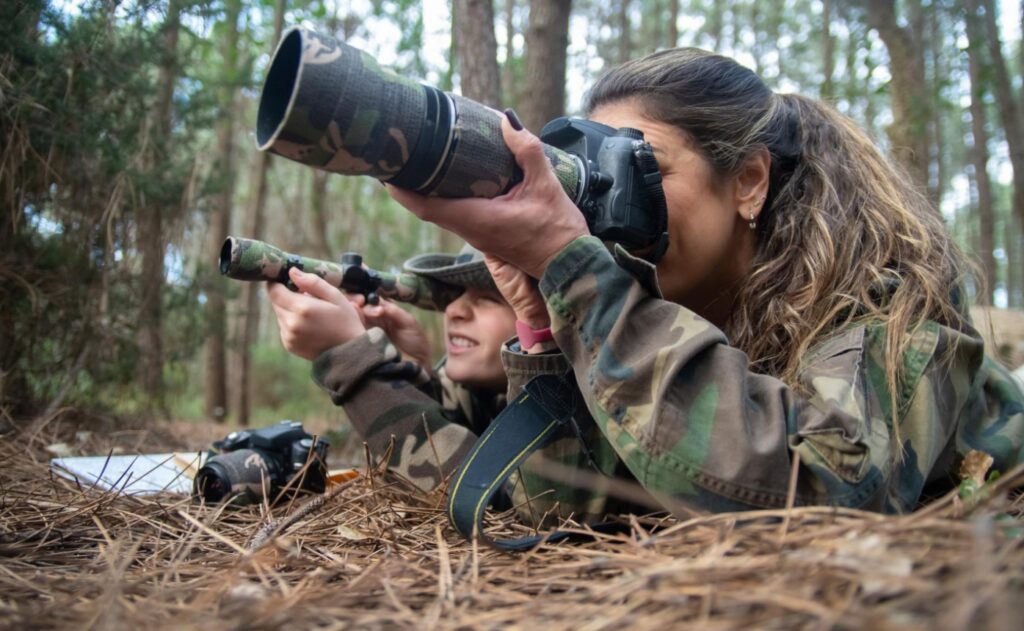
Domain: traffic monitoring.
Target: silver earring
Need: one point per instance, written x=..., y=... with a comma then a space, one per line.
x=757, y=204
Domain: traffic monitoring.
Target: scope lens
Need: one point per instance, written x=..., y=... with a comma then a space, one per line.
x=225, y=255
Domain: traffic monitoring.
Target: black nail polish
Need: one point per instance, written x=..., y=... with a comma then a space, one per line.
x=514, y=119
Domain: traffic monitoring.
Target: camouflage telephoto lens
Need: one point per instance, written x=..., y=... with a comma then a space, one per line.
x=332, y=106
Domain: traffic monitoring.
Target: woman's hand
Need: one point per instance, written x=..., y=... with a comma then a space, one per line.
x=316, y=319
x=520, y=292
x=401, y=327
x=526, y=227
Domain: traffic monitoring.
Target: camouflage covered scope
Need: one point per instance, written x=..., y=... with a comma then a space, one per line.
x=252, y=260
x=332, y=106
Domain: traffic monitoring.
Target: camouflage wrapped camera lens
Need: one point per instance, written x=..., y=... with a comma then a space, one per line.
x=332, y=106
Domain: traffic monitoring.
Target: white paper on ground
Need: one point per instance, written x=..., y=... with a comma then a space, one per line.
x=135, y=474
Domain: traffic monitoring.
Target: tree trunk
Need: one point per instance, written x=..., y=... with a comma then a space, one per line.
x=755, y=47
x=870, y=104
x=937, y=186
x=777, y=16
x=651, y=19
x=622, y=19
x=672, y=32
x=509, y=95
x=911, y=101
x=478, y=51
x=1009, y=108
x=716, y=24
x=318, y=210
x=980, y=156
x=672, y=29
x=547, y=38
x=1013, y=241
x=448, y=78
x=250, y=291
x=220, y=222
x=828, y=52
x=151, y=231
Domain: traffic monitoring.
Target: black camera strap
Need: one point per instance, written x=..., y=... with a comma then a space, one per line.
x=542, y=413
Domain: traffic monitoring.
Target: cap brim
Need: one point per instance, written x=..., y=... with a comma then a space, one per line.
x=442, y=267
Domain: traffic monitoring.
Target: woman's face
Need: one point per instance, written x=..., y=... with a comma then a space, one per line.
x=711, y=244
x=475, y=326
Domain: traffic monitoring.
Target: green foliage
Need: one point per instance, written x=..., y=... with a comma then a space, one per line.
x=80, y=91
x=282, y=389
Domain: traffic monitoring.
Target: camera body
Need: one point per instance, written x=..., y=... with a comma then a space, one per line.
x=267, y=460
x=621, y=197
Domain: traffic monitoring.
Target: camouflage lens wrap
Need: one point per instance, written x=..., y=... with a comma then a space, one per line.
x=481, y=165
x=249, y=259
x=252, y=260
x=568, y=170
x=331, y=106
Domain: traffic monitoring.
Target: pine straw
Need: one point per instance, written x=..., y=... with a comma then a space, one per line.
x=378, y=556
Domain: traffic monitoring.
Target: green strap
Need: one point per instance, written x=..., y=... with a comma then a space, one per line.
x=540, y=414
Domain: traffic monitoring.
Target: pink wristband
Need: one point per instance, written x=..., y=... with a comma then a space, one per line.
x=528, y=337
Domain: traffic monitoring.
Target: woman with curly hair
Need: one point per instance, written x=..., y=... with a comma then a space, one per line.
x=809, y=310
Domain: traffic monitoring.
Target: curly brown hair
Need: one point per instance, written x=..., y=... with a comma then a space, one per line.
x=844, y=237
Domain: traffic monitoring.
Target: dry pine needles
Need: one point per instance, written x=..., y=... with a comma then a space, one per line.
x=378, y=556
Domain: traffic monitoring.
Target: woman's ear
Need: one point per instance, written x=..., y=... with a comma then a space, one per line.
x=752, y=185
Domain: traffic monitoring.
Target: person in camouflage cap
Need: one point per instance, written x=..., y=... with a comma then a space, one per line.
x=374, y=360
x=808, y=312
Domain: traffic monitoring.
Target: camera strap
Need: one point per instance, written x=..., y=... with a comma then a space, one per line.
x=542, y=413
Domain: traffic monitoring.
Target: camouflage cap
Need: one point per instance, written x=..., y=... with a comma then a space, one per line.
x=465, y=269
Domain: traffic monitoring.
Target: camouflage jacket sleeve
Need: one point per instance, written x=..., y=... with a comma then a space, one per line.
x=679, y=408
x=388, y=399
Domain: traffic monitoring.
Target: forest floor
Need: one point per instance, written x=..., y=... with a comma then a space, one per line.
x=378, y=556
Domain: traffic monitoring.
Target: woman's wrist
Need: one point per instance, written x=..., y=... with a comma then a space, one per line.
x=533, y=313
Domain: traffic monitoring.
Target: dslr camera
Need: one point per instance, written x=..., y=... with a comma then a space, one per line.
x=333, y=107
x=268, y=461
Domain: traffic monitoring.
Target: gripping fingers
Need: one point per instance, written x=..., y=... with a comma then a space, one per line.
x=316, y=286
x=527, y=149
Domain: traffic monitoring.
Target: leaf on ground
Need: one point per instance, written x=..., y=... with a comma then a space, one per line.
x=974, y=467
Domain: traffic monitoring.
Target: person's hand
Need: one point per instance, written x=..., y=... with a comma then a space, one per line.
x=400, y=326
x=519, y=291
x=526, y=227
x=316, y=319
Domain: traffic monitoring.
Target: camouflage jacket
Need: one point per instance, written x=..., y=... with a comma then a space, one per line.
x=673, y=407
x=431, y=421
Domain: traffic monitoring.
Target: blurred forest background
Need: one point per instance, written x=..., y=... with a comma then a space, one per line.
x=127, y=154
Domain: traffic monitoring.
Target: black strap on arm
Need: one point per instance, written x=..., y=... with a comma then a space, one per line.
x=542, y=413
